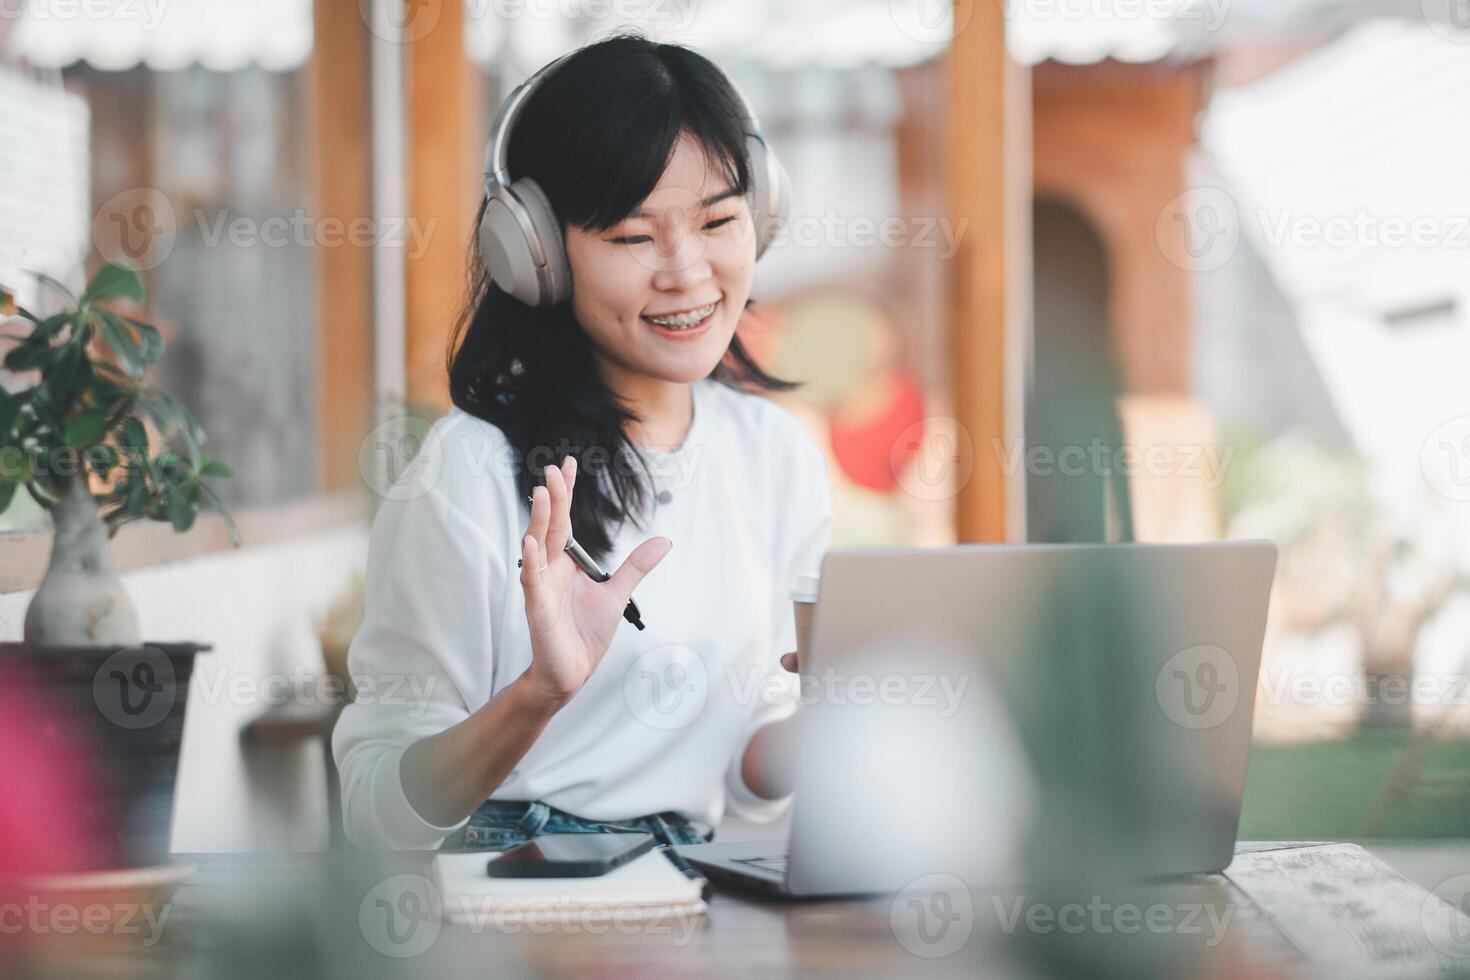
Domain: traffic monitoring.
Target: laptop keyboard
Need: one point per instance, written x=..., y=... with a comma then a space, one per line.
x=777, y=864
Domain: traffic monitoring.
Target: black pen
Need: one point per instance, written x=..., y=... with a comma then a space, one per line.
x=585, y=563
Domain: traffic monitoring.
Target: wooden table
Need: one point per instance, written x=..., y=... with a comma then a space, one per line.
x=1281, y=909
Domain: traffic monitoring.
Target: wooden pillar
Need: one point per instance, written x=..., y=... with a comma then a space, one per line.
x=988, y=184
x=341, y=151
x=445, y=148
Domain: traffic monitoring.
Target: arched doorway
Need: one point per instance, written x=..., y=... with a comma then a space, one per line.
x=1073, y=492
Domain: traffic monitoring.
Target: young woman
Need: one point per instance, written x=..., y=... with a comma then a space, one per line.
x=496, y=702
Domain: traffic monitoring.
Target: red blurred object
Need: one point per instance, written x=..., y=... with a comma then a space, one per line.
x=46, y=794
x=866, y=448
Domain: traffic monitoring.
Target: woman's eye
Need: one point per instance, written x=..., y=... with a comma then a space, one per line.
x=640, y=239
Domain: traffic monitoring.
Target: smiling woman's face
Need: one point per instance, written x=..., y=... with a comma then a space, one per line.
x=689, y=245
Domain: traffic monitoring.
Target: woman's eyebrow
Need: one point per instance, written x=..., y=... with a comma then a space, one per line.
x=710, y=201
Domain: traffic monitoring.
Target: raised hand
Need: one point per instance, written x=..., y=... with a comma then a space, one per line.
x=572, y=618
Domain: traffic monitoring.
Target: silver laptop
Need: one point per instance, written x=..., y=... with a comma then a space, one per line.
x=993, y=712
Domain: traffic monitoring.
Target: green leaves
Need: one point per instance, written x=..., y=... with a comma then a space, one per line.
x=137, y=344
x=29, y=354
x=61, y=374
x=119, y=337
x=150, y=341
x=114, y=282
x=9, y=410
x=85, y=429
x=134, y=436
x=89, y=408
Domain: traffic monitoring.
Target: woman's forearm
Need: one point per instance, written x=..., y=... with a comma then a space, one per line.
x=769, y=764
x=447, y=775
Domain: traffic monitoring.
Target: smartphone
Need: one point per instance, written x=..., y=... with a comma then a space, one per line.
x=569, y=855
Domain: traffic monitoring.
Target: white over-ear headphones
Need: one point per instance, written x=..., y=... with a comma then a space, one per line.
x=521, y=238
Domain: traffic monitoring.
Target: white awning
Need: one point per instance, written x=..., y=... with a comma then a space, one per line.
x=838, y=34
x=768, y=35
x=221, y=35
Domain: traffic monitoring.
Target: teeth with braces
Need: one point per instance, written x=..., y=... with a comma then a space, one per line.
x=684, y=320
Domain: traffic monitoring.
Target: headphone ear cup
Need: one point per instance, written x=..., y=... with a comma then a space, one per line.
x=556, y=278
x=521, y=241
x=771, y=192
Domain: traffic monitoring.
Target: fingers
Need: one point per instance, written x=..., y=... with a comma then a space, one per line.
x=540, y=517
x=531, y=562
x=561, y=508
x=790, y=662
x=637, y=565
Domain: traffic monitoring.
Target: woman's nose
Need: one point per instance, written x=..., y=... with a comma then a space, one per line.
x=682, y=262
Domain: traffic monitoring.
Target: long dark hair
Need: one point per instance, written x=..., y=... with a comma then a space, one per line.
x=597, y=135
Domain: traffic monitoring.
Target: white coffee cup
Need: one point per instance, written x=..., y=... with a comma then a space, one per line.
x=804, y=604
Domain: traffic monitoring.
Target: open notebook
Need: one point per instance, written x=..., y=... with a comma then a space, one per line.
x=647, y=889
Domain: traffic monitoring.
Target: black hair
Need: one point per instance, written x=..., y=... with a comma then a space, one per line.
x=596, y=135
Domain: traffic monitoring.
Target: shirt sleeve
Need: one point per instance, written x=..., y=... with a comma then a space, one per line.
x=423, y=646
x=803, y=540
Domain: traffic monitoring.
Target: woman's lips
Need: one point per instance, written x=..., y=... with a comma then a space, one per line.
x=688, y=333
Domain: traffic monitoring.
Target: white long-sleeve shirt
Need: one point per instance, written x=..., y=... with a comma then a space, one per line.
x=663, y=722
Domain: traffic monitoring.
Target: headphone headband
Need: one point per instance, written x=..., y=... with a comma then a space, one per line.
x=497, y=149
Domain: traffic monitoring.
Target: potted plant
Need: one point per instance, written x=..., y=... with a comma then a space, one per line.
x=78, y=440
x=82, y=424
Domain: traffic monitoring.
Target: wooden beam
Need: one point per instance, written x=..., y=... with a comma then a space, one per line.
x=445, y=149
x=341, y=152
x=988, y=164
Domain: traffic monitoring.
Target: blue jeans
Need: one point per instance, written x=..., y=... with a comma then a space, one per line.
x=497, y=825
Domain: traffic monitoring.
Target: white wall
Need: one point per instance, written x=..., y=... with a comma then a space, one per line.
x=257, y=606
